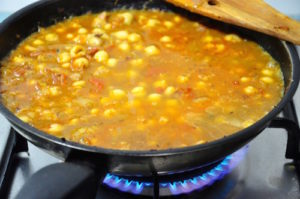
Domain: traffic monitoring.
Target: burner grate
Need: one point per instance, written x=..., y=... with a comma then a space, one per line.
x=186, y=185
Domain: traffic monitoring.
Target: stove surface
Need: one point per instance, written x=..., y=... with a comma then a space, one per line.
x=263, y=173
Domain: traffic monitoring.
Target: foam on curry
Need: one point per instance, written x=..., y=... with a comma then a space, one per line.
x=139, y=80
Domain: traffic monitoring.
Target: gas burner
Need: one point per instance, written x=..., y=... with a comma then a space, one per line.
x=199, y=180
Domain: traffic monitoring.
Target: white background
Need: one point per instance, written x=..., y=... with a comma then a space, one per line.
x=289, y=7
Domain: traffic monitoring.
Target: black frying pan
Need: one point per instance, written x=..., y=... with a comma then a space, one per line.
x=44, y=13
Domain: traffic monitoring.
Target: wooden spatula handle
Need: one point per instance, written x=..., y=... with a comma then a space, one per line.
x=252, y=14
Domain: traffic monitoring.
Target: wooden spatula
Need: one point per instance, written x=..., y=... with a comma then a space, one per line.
x=252, y=14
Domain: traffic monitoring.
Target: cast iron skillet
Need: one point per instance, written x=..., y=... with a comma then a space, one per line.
x=44, y=13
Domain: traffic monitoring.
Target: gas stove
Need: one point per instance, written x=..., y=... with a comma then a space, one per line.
x=263, y=169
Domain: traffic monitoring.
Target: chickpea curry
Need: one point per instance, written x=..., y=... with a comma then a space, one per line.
x=139, y=80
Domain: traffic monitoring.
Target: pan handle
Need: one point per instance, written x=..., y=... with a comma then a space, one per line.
x=61, y=181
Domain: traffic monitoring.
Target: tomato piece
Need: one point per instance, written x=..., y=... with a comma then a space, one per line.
x=186, y=92
x=98, y=83
x=92, y=51
x=159, y=90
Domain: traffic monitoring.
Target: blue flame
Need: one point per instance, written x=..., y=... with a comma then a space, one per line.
x=183, y=186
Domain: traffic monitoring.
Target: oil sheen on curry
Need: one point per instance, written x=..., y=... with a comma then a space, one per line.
x=139, y=80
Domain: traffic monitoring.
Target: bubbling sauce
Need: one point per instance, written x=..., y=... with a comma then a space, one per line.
x=139, y=80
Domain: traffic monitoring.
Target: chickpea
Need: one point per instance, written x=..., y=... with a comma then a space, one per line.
x=105, y=36
x=98, y=31
x=134, y=37
x=24, y=118
x=94, y=111
x=101, y=56
x=128, y=17
x=245, y=79
x=177, y=19
x=79, y=84
x=55, y=128
x=38, y=42
x=105, y=101
x=138, y=46
x=152, y=50
x=168, y=24
x=19, y=59
x=100, y=71
x=66, y=65
x=93, y=41
x=107, y=26
x=165, y=39
x=81, y=63
x=32, y=82
x=123, y=34
x=82, y=31
x=75, y=76
x=75, y=25
x=152, y=23
x=99, y=20
x=247, y=123
x=209, y=46
x=154, y=98
x=138, y=91
x=54, y=90
x=124, y=46
x=170, y=90
x=200, y=85
x=267, y=72
x=40, y=67
x=267, y=80
x=271, y=64
x=132, y=74
x=232, y=38
x=51, y=37
x=118, y=93
x=77, y=51
x=142, y=19
x=30, y=48
x=112, y=62
x=69, y=36
x=208, y=39
x=80, y=39
x=63, y=57
x=160, y=83
x=48, y=114
x=249, y=90
x=182, y=78
x=163, y=120
x=74, y=121
x=220, y=48
x=109, y=112
x=137, y=62
x=267, y=95
x=200, y=142
x=60, y=30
